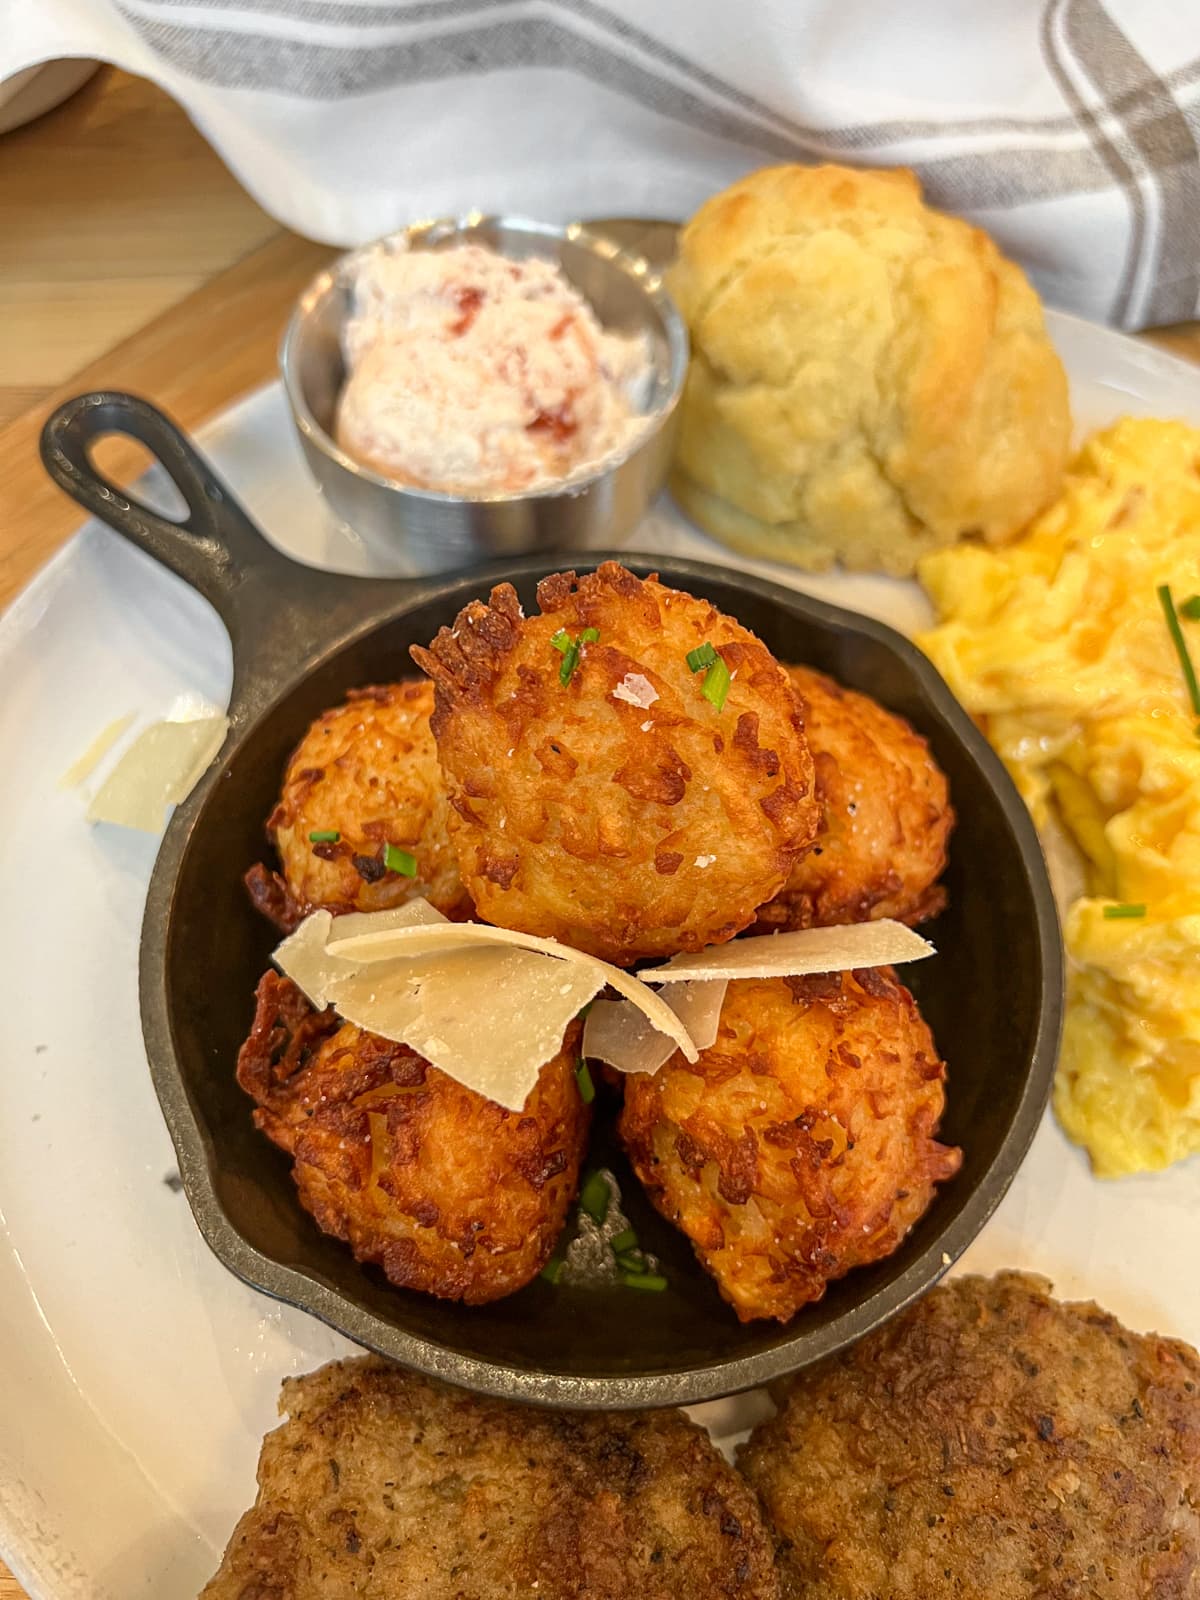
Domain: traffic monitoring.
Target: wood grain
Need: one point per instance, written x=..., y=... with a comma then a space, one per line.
x=195, y=359
x=114, y=209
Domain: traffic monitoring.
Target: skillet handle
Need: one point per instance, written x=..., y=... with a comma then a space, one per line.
x=214, y=548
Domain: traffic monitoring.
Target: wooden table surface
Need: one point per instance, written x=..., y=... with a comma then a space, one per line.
x=175, y=286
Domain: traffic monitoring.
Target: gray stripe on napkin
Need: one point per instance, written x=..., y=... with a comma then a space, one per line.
x=1165, y=152
x=1057, y=17
x=323, y=71
x=860, y=138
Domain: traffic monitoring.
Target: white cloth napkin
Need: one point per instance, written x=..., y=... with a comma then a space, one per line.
x=1067, y=128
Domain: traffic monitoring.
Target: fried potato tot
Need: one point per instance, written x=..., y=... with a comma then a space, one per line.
x=802, y=1143
x=445, y=1190
x=887, y=817
x=620, y=810
x=388, y=1486
x=989, y=1443
x=366, y=771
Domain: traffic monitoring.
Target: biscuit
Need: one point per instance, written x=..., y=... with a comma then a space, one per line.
x=870, y=379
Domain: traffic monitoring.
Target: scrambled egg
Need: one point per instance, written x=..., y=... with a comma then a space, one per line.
x=1059, y=646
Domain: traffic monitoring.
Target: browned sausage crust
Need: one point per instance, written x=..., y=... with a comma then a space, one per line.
x=381, y=1483
x=990, y=1443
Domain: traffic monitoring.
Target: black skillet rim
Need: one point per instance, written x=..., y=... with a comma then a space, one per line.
x=697, y=1383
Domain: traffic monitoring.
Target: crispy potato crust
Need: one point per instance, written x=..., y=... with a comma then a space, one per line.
x=887, y=817
x=367, y=770
x=990, y=1443
x=382, y=1483
x=445, y=1190
x=801, y=1144
x=620, y=812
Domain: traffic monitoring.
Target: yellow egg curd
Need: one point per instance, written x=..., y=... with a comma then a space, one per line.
x=1060, y=646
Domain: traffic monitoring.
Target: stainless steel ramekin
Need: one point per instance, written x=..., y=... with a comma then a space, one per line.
x=416, y=531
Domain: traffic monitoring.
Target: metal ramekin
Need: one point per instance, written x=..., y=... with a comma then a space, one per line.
x=416, y=531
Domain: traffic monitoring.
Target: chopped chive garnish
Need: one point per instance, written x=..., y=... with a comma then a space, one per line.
x=1180, y=643
x=716, y=684
x=325, y=836
x=397, y=860
x=1112, y=913
x=633, y=1262
x=625, y=1240
x=702, y=656
x=595, y=1196
x=1191, y=608
x=552, y=1271
x=587, y=1089
x=570, y=661
x=644, y=1280
x=570, y=650
x=581, y=1014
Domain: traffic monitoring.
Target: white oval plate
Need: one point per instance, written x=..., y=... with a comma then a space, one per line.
x=137, y=1376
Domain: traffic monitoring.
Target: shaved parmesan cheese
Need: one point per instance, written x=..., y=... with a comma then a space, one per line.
x=791, y=955
x=389, y=944
x=698, y=1007
x=159, y=769
x=304, y=958
x=95, y=752
x=518, y=1005
x=618, y=1033
x=414, y=913
x=635, y=690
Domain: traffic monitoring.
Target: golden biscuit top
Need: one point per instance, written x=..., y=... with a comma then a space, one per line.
x=867, y=372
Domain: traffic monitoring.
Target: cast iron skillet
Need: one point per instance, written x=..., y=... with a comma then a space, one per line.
x=993, y=995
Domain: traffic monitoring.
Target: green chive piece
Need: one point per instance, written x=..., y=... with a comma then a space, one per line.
x=1180, y=643
x=1191, y=608
x=570, y=661
x=716, y=684
x=1113, y=913
x=625, y=1240
x=587, y=1089
x=570, y=650
x=552, y=1271
x=581, y=1014
x=397, y=860
x=594, y=1197
x=702, y=656
x=645, y=1280
x=632, y=1262
x=324, y=836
